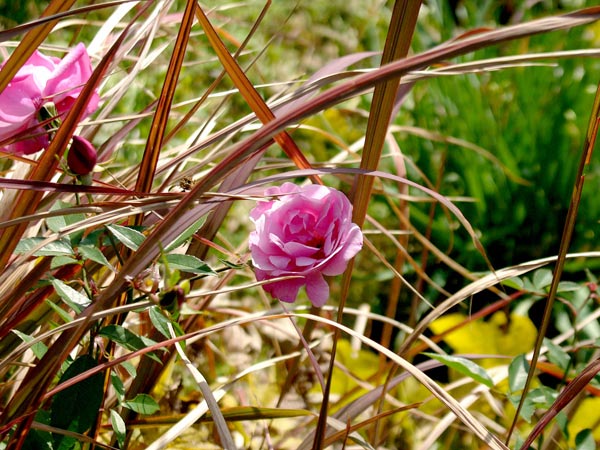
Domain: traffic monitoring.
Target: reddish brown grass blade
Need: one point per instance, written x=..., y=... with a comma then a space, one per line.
x=20, y=306
x=13, y=32
x=49, y=186
x=570, y=392
x=219, y=77
x=250, y=94
x=31, y=42
x=161, y=116
x=565, y=242
x=399, y=38
x=14, y=302
x=404, y=19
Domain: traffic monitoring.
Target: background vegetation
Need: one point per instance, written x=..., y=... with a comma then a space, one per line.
x=450, y=284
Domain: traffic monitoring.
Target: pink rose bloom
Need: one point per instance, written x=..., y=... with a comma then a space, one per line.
x=308, y=231
x=42, y=79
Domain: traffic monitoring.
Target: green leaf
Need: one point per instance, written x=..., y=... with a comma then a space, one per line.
x=129, y=237
x=57, y=223
x=160, y=321
x=55, y=248
x=59, y=261
x=76, y=408
x=188, y=263
x=64, y=315
x=542, y=278
x=93, y=253
x=542, y=397
x=117, y=385
x=562, y=420
x=569, y=286
x=557, y=355
x=187, y=233
x=585, y=440
x=465, y=367
x=127, y=339
x=515, y=283
x=517, y=373
x=527, y=410
x=130, y=368
x=76, y=300
x=142, y=404
x=39, y=349
x=38, y=439
x=93, y=238
x=119, y=427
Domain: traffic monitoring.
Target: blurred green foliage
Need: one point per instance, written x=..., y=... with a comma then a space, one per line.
x=533, y=119
x=16, y=12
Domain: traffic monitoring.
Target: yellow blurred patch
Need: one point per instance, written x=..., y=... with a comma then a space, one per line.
x=354, y=369
x=586, y=416
x=496, y=336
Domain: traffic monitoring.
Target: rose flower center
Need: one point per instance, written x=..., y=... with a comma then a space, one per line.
x=302, y=228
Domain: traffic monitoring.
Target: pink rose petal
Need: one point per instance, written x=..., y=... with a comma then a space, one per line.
x=40, y=80
x=306, y=231
x=317, y=289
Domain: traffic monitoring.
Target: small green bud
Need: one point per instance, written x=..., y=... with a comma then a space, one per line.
x=185, y=286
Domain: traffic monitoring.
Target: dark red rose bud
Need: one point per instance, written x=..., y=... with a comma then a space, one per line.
x=82, y=156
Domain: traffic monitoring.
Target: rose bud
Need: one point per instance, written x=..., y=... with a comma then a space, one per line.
x=307, y=232
x=82, y=156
